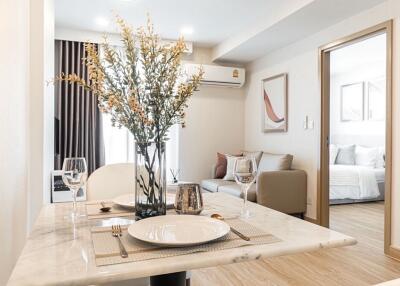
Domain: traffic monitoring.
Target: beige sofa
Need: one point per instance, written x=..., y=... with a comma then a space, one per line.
x=277, y=186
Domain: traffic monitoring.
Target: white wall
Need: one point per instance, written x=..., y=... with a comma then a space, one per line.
x=302, y=102
x=300, y=61
x=14, y=59
x=214, y=123
x=41, y=106
x=365, y=129
x=362, y=62
x=26, y=119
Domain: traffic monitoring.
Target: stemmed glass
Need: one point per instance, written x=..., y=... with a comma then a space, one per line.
x=245, y=172
x=74, y=175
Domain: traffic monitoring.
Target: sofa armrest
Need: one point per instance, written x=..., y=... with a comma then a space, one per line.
x=284, y=191
x=213, y=169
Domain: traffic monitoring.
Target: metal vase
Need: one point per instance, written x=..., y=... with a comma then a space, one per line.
x=188, y=199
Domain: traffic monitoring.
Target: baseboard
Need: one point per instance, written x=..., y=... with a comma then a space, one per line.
x=312, y=220
x=393, y=252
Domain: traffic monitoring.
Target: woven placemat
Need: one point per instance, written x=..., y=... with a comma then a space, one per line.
x=107, y=251
x=93, y=210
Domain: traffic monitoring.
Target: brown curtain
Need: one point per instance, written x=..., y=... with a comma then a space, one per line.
x=78, y=127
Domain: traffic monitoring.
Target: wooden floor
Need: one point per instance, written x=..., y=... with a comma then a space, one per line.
x=362, y=264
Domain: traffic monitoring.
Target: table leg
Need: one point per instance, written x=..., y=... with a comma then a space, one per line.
x=170, y=279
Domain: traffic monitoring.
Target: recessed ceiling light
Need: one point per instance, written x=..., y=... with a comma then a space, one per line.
x=186, y=30
x=101, y=21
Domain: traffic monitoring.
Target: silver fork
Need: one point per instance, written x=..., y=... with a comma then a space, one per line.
x=117, y=233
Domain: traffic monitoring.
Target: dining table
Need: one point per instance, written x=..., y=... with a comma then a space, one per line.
x=59, y=252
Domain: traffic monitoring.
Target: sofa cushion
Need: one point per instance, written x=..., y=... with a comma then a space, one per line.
x=234, y=189
x=256, y=154
x=220, y=166
x=275, y=162
x=229, y=168
x=213, y=185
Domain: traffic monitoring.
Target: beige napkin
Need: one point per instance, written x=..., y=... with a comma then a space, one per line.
x=93, y=210
x=107, y=252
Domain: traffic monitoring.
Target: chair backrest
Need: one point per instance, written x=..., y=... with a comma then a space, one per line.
x=110, y=181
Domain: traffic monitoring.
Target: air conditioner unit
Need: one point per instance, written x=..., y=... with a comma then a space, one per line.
x=218, y=75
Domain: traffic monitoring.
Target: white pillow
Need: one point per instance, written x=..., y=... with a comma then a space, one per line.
x=333, y=151
x=229, y=168
x=366, y=156
x=380, y=159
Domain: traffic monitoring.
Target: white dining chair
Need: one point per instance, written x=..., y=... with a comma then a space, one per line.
x=110, y=181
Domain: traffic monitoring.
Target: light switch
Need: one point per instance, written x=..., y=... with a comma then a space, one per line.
x=311, y=124
x=305, y=123
x=308, y=123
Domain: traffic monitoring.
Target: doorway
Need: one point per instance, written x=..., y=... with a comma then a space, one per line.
x=356, y=117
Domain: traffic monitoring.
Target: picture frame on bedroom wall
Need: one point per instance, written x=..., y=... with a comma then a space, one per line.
x=352, y=102
x=275, y=103
x=376, y=108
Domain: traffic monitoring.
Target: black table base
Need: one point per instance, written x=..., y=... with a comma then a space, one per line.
x=170, y=279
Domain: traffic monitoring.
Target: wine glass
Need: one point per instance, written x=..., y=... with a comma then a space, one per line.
x=245, y=172
x=74, y=175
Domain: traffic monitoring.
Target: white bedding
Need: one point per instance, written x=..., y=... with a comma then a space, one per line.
x=353, y=182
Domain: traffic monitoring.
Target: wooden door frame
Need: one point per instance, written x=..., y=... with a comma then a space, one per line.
x=323, y=163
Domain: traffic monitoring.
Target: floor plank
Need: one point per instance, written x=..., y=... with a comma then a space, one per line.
x=362, y=264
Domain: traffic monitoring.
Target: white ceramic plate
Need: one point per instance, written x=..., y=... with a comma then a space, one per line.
x=128, y=200
x=178, y=230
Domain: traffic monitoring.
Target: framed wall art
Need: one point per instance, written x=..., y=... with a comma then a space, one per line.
x=274, y=103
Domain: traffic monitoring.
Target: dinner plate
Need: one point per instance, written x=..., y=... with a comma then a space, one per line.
x=178, y=230
x=128, y=200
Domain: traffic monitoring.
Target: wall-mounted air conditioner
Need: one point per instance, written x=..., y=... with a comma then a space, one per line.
x=218, y=75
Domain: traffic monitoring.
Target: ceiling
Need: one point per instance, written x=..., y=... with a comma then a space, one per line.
x=238, y=31
x=212, y=21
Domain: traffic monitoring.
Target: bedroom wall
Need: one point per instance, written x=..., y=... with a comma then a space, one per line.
x=361, y=62
x=300, y=61
x=366, y=132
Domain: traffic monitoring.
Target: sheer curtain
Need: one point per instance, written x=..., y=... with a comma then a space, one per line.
x=119, y=143
x=119, y=146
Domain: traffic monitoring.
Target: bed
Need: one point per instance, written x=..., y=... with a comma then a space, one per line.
x=354, y=184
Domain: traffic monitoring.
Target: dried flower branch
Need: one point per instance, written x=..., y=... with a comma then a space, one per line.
x=139, y=88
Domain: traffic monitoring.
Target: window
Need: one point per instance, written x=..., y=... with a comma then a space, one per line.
x=119, y=146
x=118, y=143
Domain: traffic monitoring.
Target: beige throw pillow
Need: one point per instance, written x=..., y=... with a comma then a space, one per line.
x=243, y=166
x=275, y=162
x=229, y=168
x=256, y=154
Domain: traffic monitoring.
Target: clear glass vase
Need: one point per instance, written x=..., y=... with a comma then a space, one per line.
x=150, y=193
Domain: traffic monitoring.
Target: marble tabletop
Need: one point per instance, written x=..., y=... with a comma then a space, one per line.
x=52, y=256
